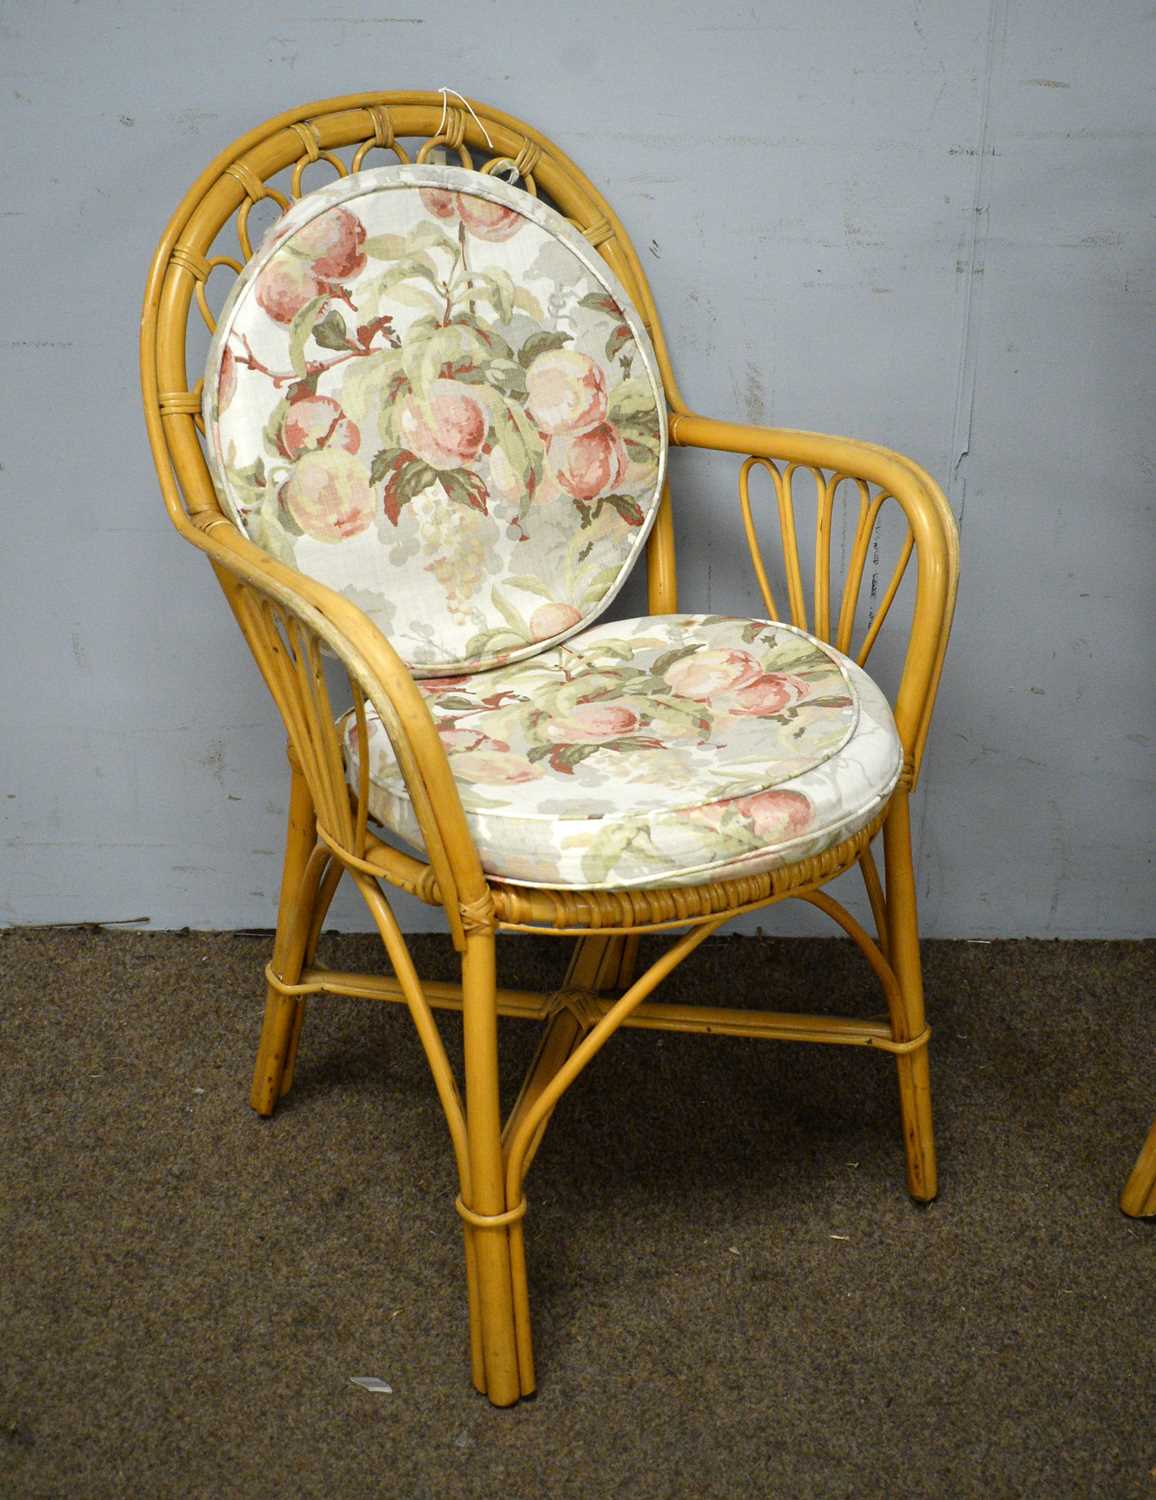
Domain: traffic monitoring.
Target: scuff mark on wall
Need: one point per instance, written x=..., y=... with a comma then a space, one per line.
x=79, y=654
x=964, y=407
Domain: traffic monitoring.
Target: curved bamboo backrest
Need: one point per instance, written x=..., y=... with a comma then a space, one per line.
x=315, y=136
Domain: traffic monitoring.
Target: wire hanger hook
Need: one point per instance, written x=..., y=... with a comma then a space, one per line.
x=445, y=93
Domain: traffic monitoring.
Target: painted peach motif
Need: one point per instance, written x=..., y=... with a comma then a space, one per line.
x=488, y=220
x=317, y=422
x=775, y=815
x=552, y=619
x=284, y=286
x=457, y=432
x=332, y=241
x=769, y=694
x=589, y=464
x=707, y=674
x=494, y=765
x=329, y=495
x=589, y=723
x=438, y=201
x=458, y=740
x=482, y=217
x=566, y=392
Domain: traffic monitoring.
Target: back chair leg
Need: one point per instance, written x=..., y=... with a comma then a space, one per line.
x=903, y=951
x=284, y=1014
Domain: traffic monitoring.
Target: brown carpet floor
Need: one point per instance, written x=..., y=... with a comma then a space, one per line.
x=733, y=1294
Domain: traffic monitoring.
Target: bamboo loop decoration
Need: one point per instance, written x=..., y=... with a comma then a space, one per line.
x=289, y=620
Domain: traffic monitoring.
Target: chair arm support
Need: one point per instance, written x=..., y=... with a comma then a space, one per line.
x=386, y=681
x=933, y=529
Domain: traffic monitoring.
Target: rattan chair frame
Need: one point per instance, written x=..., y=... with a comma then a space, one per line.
x=288, y=620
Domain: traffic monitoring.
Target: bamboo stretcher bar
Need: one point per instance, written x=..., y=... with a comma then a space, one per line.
x=536, y=1005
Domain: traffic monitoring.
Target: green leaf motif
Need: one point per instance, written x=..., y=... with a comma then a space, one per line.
x=631, y=404
x=626, y=506
x=618, y=340
x=406, y=480
x=607, y=850
x=427, y=354
x=331, y=332
x=529, y=585
x=495, y=286
x=385, y=461
x=667, y=660
x=515, y=621
x=541, y=343
x=509, y=378
x=601, y=302
x=386, y=246
x=565, y=757
x=466, y=488
x=299, y=333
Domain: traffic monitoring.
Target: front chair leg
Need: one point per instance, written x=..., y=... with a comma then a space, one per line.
x=284, y=1013
x=499, y=1302
x=910, y=1023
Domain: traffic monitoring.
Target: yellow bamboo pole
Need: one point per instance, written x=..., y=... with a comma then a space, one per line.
x=303, y=867
x=914, y=1069
x=1139, y=1196
x=487, y=1200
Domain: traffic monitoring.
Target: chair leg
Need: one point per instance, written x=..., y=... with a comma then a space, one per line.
x=284, y=1014
x=903, y=945
x=1139, y=1196
x=499, y=1300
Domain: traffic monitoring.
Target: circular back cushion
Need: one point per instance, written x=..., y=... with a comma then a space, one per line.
x=429, y=392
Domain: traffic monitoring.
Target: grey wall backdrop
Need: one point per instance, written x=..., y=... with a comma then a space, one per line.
x=925, y=222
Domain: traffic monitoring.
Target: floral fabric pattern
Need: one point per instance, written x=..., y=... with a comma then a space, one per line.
x=427, y=391
x=659, y=751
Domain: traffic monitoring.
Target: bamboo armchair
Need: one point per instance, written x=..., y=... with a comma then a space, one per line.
x=289, y=620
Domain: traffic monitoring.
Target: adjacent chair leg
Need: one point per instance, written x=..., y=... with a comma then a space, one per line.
x=1139, y=1195
x=283, y=1013
x=903, y=946
x=498, y=1282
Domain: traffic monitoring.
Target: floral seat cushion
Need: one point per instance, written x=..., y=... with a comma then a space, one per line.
x=428, y=391
x=667, y=750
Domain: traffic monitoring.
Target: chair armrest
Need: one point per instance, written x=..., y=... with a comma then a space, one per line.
x=322, y=617
x=934, y=536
